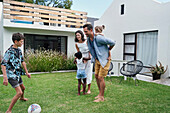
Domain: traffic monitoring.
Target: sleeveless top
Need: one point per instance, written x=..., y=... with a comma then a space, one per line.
x=83, y=49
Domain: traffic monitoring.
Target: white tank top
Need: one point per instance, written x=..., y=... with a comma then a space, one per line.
x=83, y=47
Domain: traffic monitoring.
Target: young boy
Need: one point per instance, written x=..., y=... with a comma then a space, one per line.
x=12, y=71
x=80, y=71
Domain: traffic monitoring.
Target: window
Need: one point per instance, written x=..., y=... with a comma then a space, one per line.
x=130, y=47
x=57, y=43
x=141, y=46
x=122, y=9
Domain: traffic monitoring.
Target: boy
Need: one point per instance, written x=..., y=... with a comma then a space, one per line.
x=12, y=71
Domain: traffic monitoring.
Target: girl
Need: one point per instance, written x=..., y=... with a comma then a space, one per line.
x=98, y=31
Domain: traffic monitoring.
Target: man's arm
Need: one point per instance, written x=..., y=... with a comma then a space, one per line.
x=25, y=68
x=5, y=81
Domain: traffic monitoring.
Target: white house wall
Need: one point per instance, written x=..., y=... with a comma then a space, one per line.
x=9, y=31
x=139, y=16
x=1, y=28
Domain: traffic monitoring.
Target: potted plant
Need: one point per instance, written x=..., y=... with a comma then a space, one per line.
x=158, y=70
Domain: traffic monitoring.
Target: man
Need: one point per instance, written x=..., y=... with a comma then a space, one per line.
x=12, y=71
x=98, y=47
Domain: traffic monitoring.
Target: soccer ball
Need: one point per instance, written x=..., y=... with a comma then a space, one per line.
x=34, y=108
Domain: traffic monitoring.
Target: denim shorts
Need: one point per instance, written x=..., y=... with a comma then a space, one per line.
x=15, y=83
x=81, y=74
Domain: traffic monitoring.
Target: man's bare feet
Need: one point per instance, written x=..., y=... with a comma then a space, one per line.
x=100, y=99
x=96, y=97
x=23, y=99
x=88, y=92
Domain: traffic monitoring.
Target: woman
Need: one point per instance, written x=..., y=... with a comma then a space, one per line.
x=81, y=45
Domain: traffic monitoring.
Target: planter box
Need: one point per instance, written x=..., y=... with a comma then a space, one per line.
x=156, y=76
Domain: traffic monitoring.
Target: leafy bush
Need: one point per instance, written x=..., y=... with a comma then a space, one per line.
x=0, y=66
x=47, y=61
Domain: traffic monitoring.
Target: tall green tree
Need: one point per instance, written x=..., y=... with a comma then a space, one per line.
x=66, y=4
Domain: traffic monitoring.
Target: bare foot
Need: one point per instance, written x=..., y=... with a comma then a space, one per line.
x=96, y=97
x=23, y=99
x=84, y=93
x=81, y=90
x=88, y=92
x=8, y=112
x=100, y=99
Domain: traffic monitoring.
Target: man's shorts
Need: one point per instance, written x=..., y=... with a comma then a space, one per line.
x=81, y=74
x=15, y=83
x=99, y=70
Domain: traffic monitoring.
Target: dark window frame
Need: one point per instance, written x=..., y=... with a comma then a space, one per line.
x=135, y=51
x=122, y=9
x=46, y=39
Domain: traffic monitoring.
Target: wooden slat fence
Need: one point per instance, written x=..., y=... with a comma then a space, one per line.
x=43, y=14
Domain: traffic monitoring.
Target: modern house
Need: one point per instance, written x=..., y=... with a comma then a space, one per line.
x=141, y=29
x=47, y=27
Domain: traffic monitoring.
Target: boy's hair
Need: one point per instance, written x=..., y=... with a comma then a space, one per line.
x=78, y=55
x=17, y=36
x=89, y=26
x=82, y=36
x=99, y=29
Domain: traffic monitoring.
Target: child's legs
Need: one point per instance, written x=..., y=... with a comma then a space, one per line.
x=22, y=87
x=79, y=86
x=84, y=85
x=15, y=98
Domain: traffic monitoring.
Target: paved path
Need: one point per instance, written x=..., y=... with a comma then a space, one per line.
x=149, y=79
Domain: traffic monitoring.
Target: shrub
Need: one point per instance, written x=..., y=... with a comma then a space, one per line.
x=0, y=66
x=47, y=61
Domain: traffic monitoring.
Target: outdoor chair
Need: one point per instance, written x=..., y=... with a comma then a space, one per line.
x=110, y=71
x=131, y=69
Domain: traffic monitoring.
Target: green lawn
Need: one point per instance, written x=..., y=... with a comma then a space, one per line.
x=57, y=93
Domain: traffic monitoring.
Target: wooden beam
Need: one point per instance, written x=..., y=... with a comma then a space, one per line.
x=42, y=11
x=41, y=15
x=44, y=7
x=40, y=20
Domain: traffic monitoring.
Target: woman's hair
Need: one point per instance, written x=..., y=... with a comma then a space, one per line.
x=82, y=36
x=99, y=29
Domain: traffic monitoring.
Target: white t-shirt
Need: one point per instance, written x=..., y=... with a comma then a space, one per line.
x=80, y=64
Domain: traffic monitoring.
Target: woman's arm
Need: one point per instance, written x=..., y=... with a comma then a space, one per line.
x=77, y=47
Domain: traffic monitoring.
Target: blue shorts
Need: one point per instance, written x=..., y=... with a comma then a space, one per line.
x=81, y=74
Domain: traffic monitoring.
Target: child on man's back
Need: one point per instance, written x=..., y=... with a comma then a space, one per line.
x=98, y=31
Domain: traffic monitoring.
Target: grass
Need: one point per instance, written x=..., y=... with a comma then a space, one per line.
x=56, y=93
